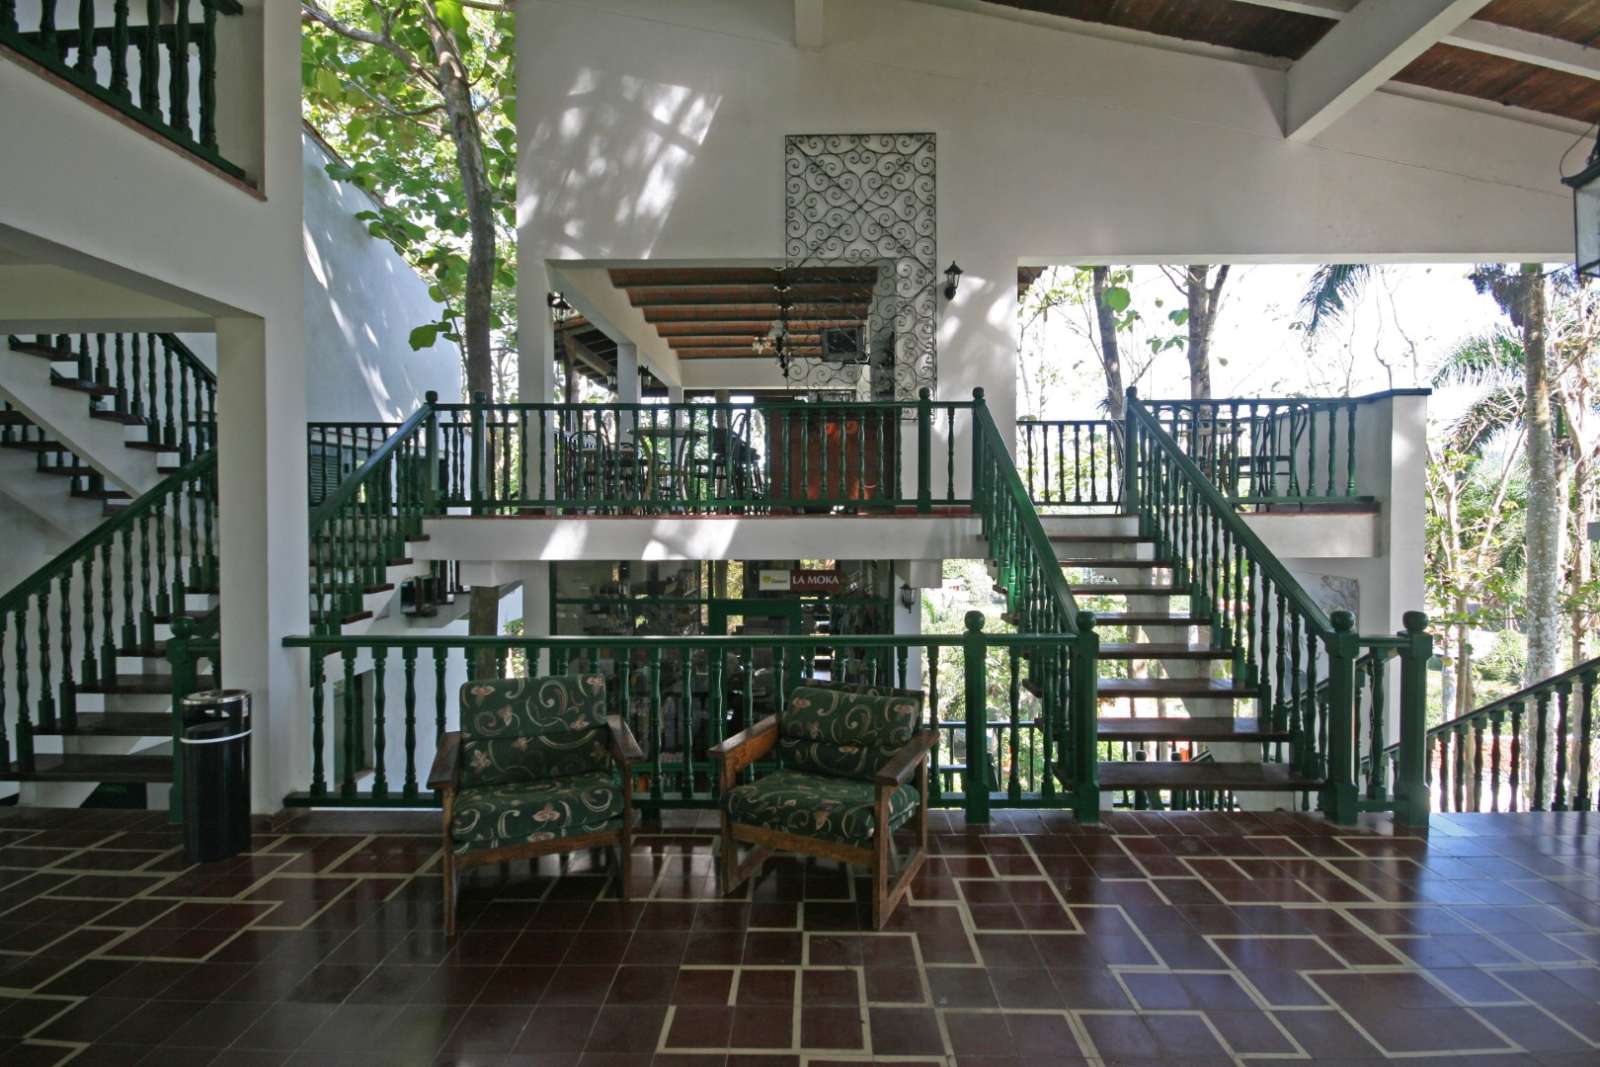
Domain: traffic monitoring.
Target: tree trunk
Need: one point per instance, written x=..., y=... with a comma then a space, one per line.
x=1582, y=559
x=1110, y=357
x=1545, y=497
x=1463, y=669
x=484, y=614
x=1204, y=295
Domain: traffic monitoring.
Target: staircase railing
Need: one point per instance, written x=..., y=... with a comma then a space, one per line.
x=153, y=68
x=363, y=524
x=1039, y=601
x=150, y=377
x=1278, y=634
x=1486, y=751
x=109, y=590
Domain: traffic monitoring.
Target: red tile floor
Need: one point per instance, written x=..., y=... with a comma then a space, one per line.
x=1192, y=939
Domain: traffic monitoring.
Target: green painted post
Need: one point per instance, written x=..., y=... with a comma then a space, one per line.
x=430, y=477
x=1339, y=794
x=1130, y=453
x=477, y=473
x=924, y=452
x=1085, y=721
x=1411, y=779
x=181, y=667
x=979, y=413
x=974, y=656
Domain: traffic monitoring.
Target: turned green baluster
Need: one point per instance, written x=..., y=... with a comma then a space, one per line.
x=1516, y=753
x=108, y=608
x=185, y=423
x=89, y=672
x=1476, y=791
x=1541, y=744
x=1459, y=742
x=319, y=780
x=169, y=426
x=1376, y=726
x=1497, y=718
x=1350, y=450
x=1580, y=797
x=178, y=83
x=19, y=656
x=657, y=727
x=47, y=702
x=408, y=661
x=208, y=74
x=439, y=664
x=86, y=49
x=119, y=48
x=67, y=694
x=1013, y=782
x=380, y=774
x=352, y=726
x=8, y=24
x=1563, y=697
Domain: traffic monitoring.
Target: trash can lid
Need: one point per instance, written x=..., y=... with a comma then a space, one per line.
x=232, y=699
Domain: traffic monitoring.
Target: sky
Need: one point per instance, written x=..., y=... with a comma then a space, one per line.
x=1400, y=327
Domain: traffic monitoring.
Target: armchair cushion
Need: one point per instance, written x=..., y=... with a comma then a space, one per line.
x=846, y=731
x=528, y=730
x=494, y=816
x=814, y=805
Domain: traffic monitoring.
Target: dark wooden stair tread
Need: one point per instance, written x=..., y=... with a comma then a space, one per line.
x=79, y=385
x=1160, y=650
x=78, y=767
x=1149, y=618
x=113, y=415
x=116, y=724
x=1220, y=688
x=130, y=684
x=150, y=446
x=28, y=348
x=1166, y=774
x=1119, y=589
x=1221, y=728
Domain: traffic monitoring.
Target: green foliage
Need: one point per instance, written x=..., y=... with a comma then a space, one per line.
x=377, y=107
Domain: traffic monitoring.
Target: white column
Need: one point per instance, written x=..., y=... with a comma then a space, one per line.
x=908, y=623
x=261, y=461
x=977, y=349
x=674, y=394
x=627, y=386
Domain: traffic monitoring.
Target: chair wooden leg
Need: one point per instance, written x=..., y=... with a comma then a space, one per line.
x=625, y=846
x=729, y=855
x=882, y=870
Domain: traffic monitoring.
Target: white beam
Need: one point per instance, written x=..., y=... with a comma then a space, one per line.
x=1369, y=46
x=808, y=23
x=1476, y=35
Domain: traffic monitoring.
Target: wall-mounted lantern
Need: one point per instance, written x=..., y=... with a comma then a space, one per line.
x=908, y=596
x=1585, y=187
x=952, y=280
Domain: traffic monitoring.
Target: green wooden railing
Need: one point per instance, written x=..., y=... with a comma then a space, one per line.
x=1280, y=638
x=1479, y=761
x=104, y=596
x=1257, y=452
x=335, y=450
x=699, y=457
x=363, y=525
x=159, y=70
x=681, y=695
x=148, y=379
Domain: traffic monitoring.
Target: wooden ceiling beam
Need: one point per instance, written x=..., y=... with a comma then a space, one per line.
x=744, y=294
x=1373, y=42
x=737, y=353
x=1477, y=35
x=746, y=327
x=748, y=312
x=640, y=277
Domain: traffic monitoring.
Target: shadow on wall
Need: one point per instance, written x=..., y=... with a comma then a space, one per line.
x=620, y=150
x=361, y=303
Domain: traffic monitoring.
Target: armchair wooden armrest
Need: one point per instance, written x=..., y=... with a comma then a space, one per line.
x=744, y=748
x=446, y=762
x=624, y=746
x=903, y=764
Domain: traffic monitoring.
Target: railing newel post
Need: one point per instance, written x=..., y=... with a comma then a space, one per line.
x=975, y=657
x=924, y=452
x=1339, y=792
x=1084, y=724
x=1130, y=453
x=478, y=474
x=1411, y=785
x=180, y=659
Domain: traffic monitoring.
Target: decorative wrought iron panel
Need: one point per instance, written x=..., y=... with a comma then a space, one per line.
x=855, y=200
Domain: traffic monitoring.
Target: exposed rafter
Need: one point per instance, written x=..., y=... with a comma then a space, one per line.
x=1476, y=35
x=1373, y=42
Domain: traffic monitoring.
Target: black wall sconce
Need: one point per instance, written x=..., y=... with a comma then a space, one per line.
x=952, y=280
x=908, y=596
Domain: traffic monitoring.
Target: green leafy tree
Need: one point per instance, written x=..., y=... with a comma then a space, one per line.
x=417, y=97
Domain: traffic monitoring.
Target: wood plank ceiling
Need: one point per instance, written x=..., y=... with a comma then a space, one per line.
x=1289, y=35
x=718, y=312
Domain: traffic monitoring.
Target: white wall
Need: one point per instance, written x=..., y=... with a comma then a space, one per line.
x=653, y=131
x=362, y=301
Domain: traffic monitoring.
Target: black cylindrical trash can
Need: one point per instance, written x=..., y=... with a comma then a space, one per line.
x=216, y=774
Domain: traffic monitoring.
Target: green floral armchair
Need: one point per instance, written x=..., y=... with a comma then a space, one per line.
x=853, y=769
x=536, y=768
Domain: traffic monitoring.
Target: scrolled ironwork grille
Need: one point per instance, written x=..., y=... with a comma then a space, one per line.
x=868, y=200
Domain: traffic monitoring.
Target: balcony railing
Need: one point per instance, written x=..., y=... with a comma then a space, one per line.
x=159, y=71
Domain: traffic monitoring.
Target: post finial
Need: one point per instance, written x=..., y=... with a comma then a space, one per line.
x=924, y=393
x=1343, y=621
x=974, y=621
x=182, y=627
x=480, y=397
x=1415, y=622
x=977, y=393
x=431, y=396
x=1133, y=392
x=1086, y=620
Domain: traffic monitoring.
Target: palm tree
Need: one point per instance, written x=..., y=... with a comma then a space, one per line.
x=1330, y=292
